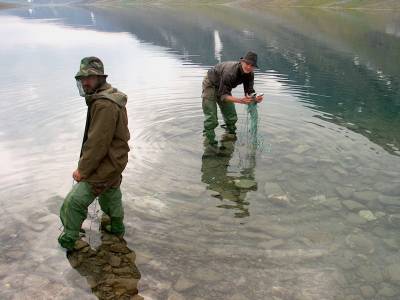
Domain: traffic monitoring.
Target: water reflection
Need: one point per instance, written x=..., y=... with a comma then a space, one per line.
x=110, y=270
x=231, y=183
x=349, y=92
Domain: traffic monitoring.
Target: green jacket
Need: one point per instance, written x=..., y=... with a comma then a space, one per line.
x=105, y=147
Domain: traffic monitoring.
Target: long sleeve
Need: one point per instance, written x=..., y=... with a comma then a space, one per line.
x=100, y=135
x=248, y=85
x=225, y=87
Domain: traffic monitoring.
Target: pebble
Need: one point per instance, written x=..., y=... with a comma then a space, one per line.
x=175, y=296
x=367, y=215
x=389, y=200
x=183, y=284
x=344, y=192
x=387, y=291
x=114, y=261
x=119, y=248
x=393, y=273
x=80, y=244
x=355, y=219
x=353, y=205
x=271, y=244
x=366, y=196
x=360, y=243
x=367, y=291
x=394, y=220
x=245, y=183
x=272, y=188
x=370, y=273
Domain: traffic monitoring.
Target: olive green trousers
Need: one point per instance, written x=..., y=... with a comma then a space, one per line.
x=209, y=104
x=75, y=208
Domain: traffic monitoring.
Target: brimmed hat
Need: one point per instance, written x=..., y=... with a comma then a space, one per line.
x=90, y=66
x=250, y=58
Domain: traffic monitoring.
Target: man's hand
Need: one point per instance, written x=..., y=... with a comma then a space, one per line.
x=77, y=175
x=259, y=99
x=246, y=100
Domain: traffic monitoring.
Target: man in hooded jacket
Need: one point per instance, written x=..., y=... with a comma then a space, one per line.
x=103, y=157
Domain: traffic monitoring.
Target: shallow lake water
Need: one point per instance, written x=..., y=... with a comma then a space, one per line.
x=323, y=217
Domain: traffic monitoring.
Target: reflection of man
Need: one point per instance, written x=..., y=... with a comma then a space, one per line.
x=215, y=174
x=217, y=89
x=110, y=270
x=104, y=154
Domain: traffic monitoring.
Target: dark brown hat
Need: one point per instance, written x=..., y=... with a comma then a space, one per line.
x=250, y=58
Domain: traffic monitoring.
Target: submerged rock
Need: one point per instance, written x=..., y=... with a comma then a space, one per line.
x=367, y=291
x=353, y=205
x=272, y=188
x=367, y=215
x=360, y=243
x=389, y=200
x=183, y=284
x=392, y=272
x=245, y=183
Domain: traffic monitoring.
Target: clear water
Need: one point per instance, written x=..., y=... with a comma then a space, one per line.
x=329, y=128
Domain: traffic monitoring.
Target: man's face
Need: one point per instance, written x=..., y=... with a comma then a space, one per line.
x=90, y=83
x=247, y=68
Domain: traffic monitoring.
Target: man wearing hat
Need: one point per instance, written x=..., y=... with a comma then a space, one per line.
x=217, y=88
x=104, y=154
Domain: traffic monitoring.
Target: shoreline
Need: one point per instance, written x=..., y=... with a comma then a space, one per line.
x=6, y=5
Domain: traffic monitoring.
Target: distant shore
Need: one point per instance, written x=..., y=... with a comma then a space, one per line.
x=6, y=5
x=326, y=4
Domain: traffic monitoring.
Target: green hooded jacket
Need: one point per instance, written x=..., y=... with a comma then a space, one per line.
x=105, y=148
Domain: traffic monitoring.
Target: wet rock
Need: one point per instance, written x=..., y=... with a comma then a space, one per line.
x=208, y=275
x=318, y=199
x=114, y=261
x=344, y=192
x=367, y=291
x=272, y=188
x=119, y=248
x=387, y=291
x=333, y=204
x=370, y=273
x=360, y=243
x=380, y=214
x=391, y=244
x=300, y=149
x=392, y=272
x=389, y=200
x=183, y=284
x=107, y=268
x=92, y=282
x=80, y=244
x=245, y=183
x=238, y=297
x=175, y=296
x=367, y=215
x=73, y=260
x=388, y=188
x=129, y=284
x=281, y=292
x=281, y=200
x=271, y=244
x=394, y=220
x=279, y=231
x=124, y=270
x=353, y=205
x=355, y=219
x=366, y=196
x=131, y=257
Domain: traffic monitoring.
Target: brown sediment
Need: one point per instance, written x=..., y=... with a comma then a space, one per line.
x=6, y=5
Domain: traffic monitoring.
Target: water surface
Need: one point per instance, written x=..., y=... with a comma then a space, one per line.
x=329, y=127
